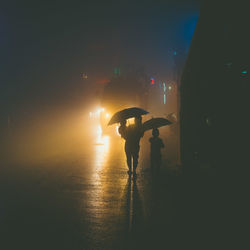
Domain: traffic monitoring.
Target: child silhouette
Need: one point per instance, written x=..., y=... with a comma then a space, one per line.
x=155, y=150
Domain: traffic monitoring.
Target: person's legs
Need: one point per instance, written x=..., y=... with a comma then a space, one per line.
x=152, y=161
x=129, y=162
x=158, y=164
x=152, y=164
x=135, y=156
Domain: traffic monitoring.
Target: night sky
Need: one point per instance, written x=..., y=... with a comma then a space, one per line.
x=45, y=45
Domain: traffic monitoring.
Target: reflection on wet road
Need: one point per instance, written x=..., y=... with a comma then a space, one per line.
x=119, y=210
x=85, y=201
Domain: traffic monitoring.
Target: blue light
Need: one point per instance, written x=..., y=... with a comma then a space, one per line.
x=175, y=53
x=187, y=28
x=244, y=72
x=190, y=26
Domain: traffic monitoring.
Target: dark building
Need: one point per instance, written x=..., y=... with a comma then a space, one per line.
x=215, y=89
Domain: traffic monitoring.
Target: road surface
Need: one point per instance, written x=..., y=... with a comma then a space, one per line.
x=86, y=200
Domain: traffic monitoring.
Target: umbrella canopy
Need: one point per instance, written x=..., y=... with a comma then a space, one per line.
x=155, y=123
x=126, y=114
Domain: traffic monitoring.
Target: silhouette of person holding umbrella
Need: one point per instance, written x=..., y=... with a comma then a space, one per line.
x=132, y=135
x=156, y=145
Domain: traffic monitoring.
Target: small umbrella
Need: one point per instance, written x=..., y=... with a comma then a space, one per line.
x=155, y=123
x=126, y=114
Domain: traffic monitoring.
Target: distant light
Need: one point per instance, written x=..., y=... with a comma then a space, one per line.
x=164, y=87
x=107, y=115
x=99, y=111
x=84, y=76
x=117, y=71
x=102, y=81
x=164, y=100
x=169, y=87
x=208, y=121
x=175, y=53
x=152, y=80
x=229, y=64
x=244, y=72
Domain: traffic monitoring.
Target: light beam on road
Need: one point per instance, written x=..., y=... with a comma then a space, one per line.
x=102, y=148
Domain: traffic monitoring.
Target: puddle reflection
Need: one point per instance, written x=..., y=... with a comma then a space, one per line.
x=110, y=188
x=132, y=207
x=101, y=147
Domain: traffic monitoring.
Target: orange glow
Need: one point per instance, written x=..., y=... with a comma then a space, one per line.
x=104, y=180
x=131, y=121
x=116, y=129
x=102, y=81
x=96, y=113
x=102, y=148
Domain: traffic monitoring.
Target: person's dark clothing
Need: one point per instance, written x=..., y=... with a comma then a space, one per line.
x=132, y=135
x=155, y=151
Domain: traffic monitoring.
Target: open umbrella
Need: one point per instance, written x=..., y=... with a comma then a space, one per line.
x=126, y=114
x=155, y=123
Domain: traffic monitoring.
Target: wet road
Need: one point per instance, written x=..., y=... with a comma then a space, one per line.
x=85, y=200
